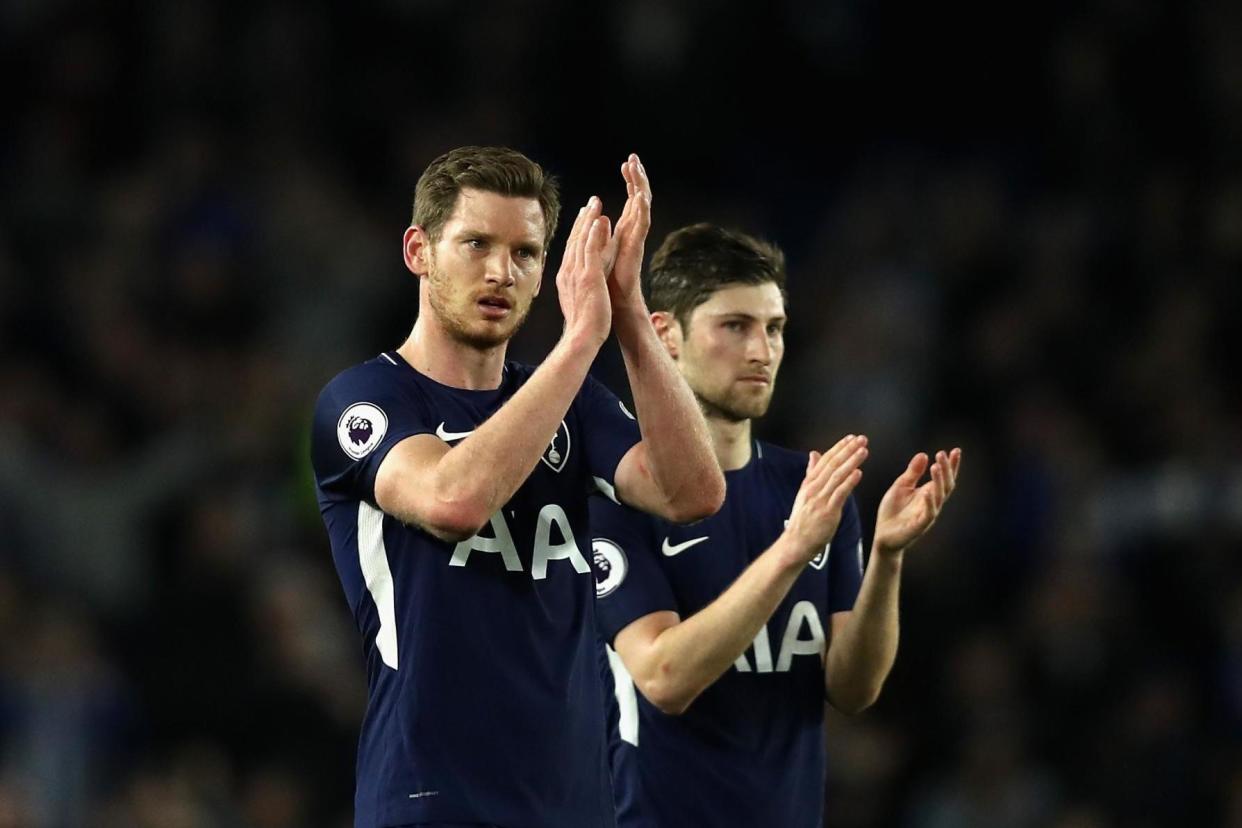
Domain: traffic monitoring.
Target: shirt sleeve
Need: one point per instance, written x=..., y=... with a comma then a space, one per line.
x=629, y=580
x=845, y=560
x=358, y=419
x=609, y=431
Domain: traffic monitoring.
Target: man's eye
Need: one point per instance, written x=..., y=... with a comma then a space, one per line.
x=734, y=325
x=475, y=244
x=525, y=253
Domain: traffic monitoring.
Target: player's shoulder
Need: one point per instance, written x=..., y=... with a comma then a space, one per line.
x=785, y=461
x=379, y=373
x=519, y=371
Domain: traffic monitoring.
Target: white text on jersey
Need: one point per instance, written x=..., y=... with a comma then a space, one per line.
x=792, y=643
x=545, y=550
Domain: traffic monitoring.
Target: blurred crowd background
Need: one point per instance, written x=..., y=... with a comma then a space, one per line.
x=1017, y=229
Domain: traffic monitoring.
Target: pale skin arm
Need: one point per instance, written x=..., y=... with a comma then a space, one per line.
x=451, y=492
x=672, y=471
x=672, y=660
x=863, y=647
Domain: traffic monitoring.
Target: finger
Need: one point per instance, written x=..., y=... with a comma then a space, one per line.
x=848, y=442
x=836, y=500
x=589, y=247
x=822, y=457
x=937, y=479
x=628, y=211
x=950, y=475
x=642, y=212
x=581, y=227
x=914, y=470
x=597, y=240
x=848, y=466
x=932, y=509
x=843, y=450
x=631, y=178
x=830, y=475
x=942, y=457
x=638, y=204
x=832, y=460
x=643, y=182
x=588, y=222
x=955, y=460
x=816, y=462
x=575, y=233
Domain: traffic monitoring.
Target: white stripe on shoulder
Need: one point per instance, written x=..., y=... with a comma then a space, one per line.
x=759, y=449
x=607, y=488
x=390, y=359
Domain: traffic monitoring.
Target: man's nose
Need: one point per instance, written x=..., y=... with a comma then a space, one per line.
x=500, y=269
x=759, y=349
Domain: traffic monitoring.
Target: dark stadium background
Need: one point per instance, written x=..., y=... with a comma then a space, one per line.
x=1017, y=228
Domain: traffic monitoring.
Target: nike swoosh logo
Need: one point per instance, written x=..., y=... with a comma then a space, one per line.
x=671, y=549
x=450, y=436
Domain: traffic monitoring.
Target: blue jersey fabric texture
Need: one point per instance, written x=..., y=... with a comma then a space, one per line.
x=485, y=699
x=749, y=750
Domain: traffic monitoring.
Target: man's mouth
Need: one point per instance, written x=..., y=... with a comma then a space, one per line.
x=495, y=307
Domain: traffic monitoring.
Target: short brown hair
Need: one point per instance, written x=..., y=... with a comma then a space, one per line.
x=491, y=169
x=696, y=261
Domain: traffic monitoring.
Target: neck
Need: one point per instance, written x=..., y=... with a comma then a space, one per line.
x=731, y=441
x=433, y=353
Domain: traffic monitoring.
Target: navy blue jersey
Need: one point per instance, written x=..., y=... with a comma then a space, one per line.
x=485, y=696
x=750, y=750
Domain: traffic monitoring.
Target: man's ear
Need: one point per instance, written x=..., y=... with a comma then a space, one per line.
x=668, y=329
x=416, y=247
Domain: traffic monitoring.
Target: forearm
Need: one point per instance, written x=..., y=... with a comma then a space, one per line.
x=860, y=659
x=509, y=444
x=677, y=451
x=686, y=659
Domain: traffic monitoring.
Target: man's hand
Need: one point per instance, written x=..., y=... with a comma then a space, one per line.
x=581, y=282
x=829, y=479
x=624, y=258
x=908, y=510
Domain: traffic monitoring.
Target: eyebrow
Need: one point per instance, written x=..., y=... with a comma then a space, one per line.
x=749, y=316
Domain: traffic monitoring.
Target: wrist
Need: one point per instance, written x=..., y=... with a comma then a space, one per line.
x=576, y=339
x=576, y=345
x=630, y=314
x=887, y=555
x=792, y=553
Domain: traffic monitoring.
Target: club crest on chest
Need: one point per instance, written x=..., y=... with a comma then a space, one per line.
x=557, y=453
x=822, y=558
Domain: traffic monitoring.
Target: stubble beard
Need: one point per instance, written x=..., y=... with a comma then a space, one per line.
x=734, y=408
x=455, y=323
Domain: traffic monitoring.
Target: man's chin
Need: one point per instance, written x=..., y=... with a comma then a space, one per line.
x=483, y=340
x=487, y=335
x=734, y=409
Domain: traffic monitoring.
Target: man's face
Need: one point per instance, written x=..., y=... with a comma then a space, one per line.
x=731, y=349
x=484, y=270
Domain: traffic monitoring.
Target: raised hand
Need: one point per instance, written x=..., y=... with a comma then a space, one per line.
x=624, y=259
x=830, y=477
x=907, y=509
x=581, y=282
